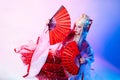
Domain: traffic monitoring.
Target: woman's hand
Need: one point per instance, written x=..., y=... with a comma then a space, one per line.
x=47, y=22
x=82, y=60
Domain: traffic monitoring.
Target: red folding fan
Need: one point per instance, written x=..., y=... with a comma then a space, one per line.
x=68, y=55
x=59, y=26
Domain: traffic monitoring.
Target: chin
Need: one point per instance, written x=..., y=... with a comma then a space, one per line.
x=77, y=33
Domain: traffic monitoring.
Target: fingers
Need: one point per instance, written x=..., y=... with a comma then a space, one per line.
x=47, y=22
x=82, y=60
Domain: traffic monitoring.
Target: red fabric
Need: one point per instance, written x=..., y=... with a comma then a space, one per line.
x=26, y=55
x=26, y=58
x=26, y=52
x=52, y=69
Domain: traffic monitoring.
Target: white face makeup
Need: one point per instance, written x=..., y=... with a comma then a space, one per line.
x=78, y=30
x=79, y=25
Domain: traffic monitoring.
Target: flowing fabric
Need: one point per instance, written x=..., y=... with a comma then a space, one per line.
x=26, y=51
x=40, y=54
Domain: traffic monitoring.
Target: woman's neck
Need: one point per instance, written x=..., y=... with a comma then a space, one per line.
x=76, y=38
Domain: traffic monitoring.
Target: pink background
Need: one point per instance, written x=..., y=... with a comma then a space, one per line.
x=24, y=20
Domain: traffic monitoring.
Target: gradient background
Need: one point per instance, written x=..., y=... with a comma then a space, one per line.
x=24, y=20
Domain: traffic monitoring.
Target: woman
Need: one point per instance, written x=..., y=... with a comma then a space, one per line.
x=50, y=67
x=86, y=56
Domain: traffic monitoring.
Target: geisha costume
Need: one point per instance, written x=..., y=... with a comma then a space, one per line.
x=45, y=65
